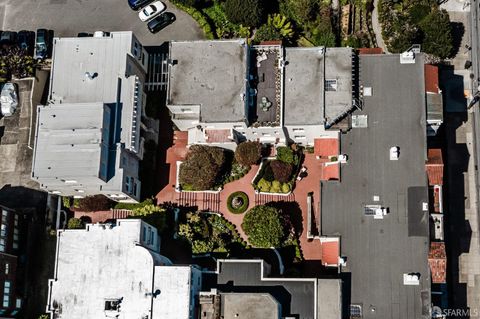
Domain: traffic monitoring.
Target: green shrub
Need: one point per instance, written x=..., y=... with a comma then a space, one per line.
x=132, y=206
x=276, y=187
x=264, y=185
x=95, y=203
x=202, y=167
x=285, y=188
x=285, y=154
x=248, y=153
x=151, y=214
x=67, y=202
x=239, y=210
x=75, y=223
x=264, y=227
x=246, y=12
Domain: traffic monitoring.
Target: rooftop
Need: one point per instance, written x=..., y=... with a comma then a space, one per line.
x=297, y=296
x=304, y=86
x=434, y=167
x=431, y=79
x=380, y=251
x=249, y=306
x=338, y=83
x=103, y=263
x=437, y=259
x=68, y=140
x=211, y=74
x=96, y=69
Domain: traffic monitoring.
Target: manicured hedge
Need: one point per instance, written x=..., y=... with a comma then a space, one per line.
x=199, y=17
x=242, y=208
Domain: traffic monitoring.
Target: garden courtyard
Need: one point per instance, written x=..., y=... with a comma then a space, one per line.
x=295, y=202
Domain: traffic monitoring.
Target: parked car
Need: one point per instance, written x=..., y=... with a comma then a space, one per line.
x=8, y=37
x=137, y=4
x=151, y=11
x=25, y=41
x=9, y=99
x=161, y=22
x=42, y=44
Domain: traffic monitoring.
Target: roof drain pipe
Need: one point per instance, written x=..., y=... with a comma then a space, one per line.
x=60, y=211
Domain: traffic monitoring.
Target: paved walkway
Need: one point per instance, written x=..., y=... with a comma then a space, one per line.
x=377, y=29
x=218, y=202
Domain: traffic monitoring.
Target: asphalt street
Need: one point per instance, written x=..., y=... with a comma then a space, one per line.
x=69, y=17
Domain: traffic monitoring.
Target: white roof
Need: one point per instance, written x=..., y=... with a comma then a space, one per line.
x=101, y=263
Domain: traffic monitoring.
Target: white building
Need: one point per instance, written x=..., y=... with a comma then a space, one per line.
x=88, y=135
x=116, y=271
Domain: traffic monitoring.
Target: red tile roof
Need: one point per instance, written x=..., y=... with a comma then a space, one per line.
x=435, y=167
x=330, y=252
x=431, y=79
x=437, y=259
x=218, y=136
x=324, y=147
x=370, y=51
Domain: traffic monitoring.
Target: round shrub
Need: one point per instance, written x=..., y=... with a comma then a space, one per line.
x=281, y=171
x=237, y=203
x=264, y=226
x=249, y=13
x=248, y=153
x=75, y=223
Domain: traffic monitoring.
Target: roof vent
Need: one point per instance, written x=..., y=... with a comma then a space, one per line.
x=90, y=75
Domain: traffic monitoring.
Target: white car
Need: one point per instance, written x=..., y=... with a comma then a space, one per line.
x=152, y=10
x=8, y=99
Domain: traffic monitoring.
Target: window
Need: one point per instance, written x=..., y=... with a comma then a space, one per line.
x=300, y=137
x=112, y=305
x=7, y=268
x=70, y=182
x=6, y=288
x=18, y=303
x=5, y=213
x=6, y=301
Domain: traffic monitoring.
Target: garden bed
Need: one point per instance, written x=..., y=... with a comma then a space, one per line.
x=277, y=175
x=237, y=203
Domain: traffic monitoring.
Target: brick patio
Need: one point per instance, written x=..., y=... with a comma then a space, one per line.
x=316, y=169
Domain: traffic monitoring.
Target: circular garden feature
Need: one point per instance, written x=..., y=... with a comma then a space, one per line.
x=237, y=202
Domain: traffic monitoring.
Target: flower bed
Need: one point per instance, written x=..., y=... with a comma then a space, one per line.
x=277, y=175
x=237, y=203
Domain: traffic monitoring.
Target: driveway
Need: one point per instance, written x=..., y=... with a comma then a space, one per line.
x=377, y=28
x=69, y=17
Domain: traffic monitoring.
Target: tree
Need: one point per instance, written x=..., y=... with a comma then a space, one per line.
x=95, y=203
x=285, y=154
x=202, y=167
x=153, y=215
x=44, y=316
x=248, y=153
x=281, y=171
x=264, y=227
x=249, y=13
x=276, y=28
x=437, y=31
x=302, y=10
x=75, y=223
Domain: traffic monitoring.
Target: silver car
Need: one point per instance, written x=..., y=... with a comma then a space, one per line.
x=9, y=99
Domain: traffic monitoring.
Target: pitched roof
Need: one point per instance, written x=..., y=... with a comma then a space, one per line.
x=431, y=79
x=330, y=252
x=435, y=167
x=437, y=259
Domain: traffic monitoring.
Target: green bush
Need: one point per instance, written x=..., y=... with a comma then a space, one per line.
x=285, y=154
x=153, y=215
x=95, y=203
x=264, y=227
x=437, y=32
x=248, y=153
x=276, y=187
x=202, y=167
x=132, y=206
x=75, y=223
x=198, y=17
x=264, y=185
x=286, y=188
x=240, y=210
x=67, y=202
x=246, y=12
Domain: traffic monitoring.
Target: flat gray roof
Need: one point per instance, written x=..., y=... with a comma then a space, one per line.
x=211, y=74
x=107, y=58
x=304, y=82
x=338, y=67
x=68, y=140
x=249, y=306
x=295, y=295
x=434, y=107
x=380, y=251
